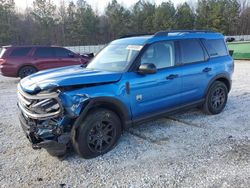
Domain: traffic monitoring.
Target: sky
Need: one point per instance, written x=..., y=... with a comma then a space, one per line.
x=98, y=5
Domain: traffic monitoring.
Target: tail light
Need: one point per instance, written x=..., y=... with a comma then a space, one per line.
x=2, y=61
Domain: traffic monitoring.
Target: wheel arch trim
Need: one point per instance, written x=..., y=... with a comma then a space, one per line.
x=25, y=65
x=219, y=77
x=106, y=102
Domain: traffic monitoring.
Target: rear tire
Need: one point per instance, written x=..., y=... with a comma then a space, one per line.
x=97, y=134
x=216, y=98
x=26, y=71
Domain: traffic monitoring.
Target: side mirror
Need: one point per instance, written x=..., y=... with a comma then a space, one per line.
x=147, y=68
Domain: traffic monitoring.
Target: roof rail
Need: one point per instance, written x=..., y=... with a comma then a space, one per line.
x=135, y=35
x=6, y=46
x=165, y=33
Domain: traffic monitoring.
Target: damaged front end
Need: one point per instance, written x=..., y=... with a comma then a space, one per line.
x=47, y=117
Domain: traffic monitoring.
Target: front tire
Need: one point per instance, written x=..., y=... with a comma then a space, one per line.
x=216, y=98
x=26, y=71
x=97, y=134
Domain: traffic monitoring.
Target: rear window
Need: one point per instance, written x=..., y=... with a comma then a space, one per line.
x=216, y=47
x=18, y=52
x=44, y=52
x=191, y=51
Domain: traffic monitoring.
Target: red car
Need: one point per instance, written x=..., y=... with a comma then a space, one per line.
x=21, y=61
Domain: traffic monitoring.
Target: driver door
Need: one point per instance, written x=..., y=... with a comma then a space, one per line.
x=154, y=93
x=66, y=57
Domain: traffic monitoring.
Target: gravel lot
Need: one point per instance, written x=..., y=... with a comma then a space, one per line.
x=185, y=150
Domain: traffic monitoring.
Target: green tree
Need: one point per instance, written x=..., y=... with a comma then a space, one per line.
x=185, y=17
x=25, y=28
x=44, y=13
x=7, y=17
x=244, y=22
x=77, y=23
x=118, y=19
x=86, y=23
x=103, y=29
x=61, y=26
x=217, y=15
x=164, y=16
x=142, y=17
x=230, y=18
x=71, y=28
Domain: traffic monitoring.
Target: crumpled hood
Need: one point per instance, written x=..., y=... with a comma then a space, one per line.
x=66, y=76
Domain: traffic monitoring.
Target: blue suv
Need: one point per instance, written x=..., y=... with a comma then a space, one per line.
x=133, y=79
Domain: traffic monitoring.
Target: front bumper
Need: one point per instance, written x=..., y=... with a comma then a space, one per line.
x=47, y=119
x=42, y=122
x=57, y=146
x=28, y=128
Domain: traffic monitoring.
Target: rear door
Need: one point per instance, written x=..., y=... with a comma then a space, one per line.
x=197, y=70
x=44, y=58
x=155, y=93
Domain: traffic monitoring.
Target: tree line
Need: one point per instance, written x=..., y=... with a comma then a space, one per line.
x=79, y=24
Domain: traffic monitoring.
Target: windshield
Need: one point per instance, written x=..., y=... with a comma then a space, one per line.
x=115, y=57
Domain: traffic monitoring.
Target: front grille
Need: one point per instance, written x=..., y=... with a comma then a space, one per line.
x=39, y=106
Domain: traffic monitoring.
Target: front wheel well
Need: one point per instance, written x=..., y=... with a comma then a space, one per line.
x=121, y=113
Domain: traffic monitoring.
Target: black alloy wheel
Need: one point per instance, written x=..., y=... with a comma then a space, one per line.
x=216, y=98
x=97, y=133
x=26, y=71
x=101, y=136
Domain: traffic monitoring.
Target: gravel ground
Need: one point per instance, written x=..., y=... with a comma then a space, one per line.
x=185, y=150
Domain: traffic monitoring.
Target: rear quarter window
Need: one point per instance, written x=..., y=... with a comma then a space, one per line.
x=216, y=47
x=19, y=52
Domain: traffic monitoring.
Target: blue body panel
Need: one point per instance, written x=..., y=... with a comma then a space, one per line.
x=153, y=92
x=67, y=76
x=140, y=94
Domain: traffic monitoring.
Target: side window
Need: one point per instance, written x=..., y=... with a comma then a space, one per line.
x=18, y=52
x=216, y=47
x=44, y=52
x=191, y=51
x=162, y=54
x=61, y=52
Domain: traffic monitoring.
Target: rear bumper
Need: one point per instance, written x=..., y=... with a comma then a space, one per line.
x=52, y=146
x=8, y=71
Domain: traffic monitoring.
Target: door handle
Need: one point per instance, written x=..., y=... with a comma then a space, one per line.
x=172, y=76
x=207, y=69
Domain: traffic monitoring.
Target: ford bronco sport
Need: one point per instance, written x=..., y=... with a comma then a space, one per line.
x=133, y=79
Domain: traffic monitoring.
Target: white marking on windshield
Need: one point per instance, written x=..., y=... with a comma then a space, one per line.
x=134, y=47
